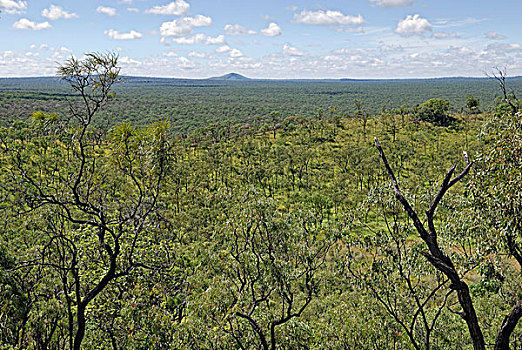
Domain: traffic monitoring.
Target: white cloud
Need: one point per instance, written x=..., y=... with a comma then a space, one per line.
x=195, y=54
x=272, y=30
x=326, y=18
x=200, y=38
x=185, y=63
x=413, y=25
x=237, y=29
x=56, y=12
x=346, y=51
x=494, y=36
x=126, y=60
x=235, y=53
x=223, y=49
x=115, y=35
x=184, y=26
x=393, y=3
x=292, y=51
x=232, y=53
x=451, y=35
x=128, y=2
x=133, y=9
x=24, y=23
x=177, y=8
x=13, y=6
x=220, y=39
x=109, y=11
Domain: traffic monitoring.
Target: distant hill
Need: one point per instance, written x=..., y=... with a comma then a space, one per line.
x=231, y=77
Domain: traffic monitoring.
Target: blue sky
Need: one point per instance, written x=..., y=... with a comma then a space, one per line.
x=266, y=39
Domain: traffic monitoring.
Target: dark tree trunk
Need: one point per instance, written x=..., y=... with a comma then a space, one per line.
x=507, y=327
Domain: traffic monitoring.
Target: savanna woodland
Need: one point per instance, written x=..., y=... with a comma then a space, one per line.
x=327, y=218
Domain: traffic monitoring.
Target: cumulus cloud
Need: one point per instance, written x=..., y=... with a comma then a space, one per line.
x=413, y=25
x=494, y=36
x=184, y=26
x=200, y=38
x=292, y=51
x=176, y=8
x=115, y=35
x=235, y=53
x=24, y=23
x=56, y=12
x=237, y=29
x=109, y=11
x=392, y=3
x=232, y=53
x=13, y=6
x=223, y=49
x=327, y=18
x=272, y=30
x=133, y=9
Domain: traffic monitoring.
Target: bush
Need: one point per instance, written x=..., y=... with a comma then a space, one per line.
x=434, y=111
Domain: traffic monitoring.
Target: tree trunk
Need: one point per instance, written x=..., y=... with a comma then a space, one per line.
x=507, y=327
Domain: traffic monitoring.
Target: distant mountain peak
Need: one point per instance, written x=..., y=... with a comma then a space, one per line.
x=231, y=76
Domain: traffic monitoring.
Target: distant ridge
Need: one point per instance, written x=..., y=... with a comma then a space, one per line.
x=231, y=77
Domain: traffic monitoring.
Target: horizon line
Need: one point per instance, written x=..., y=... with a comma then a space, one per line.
x=245, y=78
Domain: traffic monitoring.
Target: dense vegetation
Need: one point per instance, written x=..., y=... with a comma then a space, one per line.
x=191, y=104
x=280, y=233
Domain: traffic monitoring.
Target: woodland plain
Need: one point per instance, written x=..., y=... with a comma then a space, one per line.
x=257, y=215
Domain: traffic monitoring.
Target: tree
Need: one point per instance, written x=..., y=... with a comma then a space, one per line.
x=91, y=196
x=396, y=275
x=435, y=255
x=443, y=262
x=361, y=113
x=472, y=104
x=497, y=188
x=508, y=98
x=434, y=111
x=266, y=273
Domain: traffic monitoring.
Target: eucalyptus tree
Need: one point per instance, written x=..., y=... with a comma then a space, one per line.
x=263, y=273
x=496, y=187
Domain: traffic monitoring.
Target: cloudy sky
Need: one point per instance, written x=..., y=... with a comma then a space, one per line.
x=266, y=39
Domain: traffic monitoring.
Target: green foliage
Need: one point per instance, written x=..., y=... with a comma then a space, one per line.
x=274, y=232
x=472, y=104
x=188, y=104
x=434, y=111
x=497, y=183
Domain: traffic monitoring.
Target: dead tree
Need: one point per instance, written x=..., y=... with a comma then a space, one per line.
x=509, y=97
x=435, y=255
